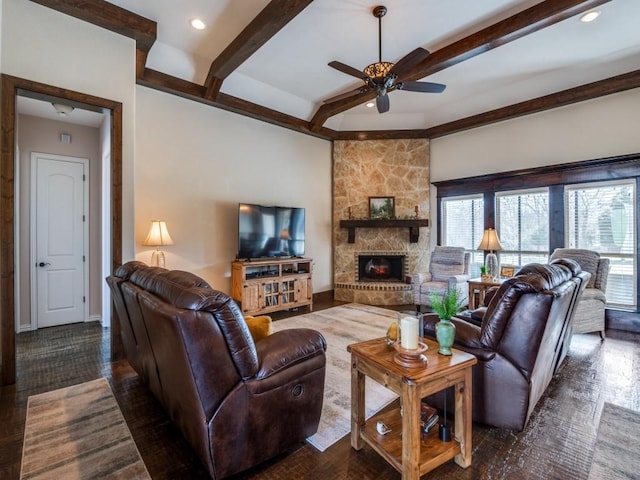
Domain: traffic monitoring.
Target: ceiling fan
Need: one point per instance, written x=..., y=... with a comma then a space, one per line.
x=384, y=77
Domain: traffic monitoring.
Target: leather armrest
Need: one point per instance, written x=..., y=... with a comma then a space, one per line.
x=467, y=334
x=478, y=313
x=482, y=354
x=286, y=348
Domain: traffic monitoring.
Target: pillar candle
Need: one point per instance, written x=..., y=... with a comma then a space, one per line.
x=409, y=333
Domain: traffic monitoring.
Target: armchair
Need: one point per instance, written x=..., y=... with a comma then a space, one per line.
x=589, y=316
x=448, y=269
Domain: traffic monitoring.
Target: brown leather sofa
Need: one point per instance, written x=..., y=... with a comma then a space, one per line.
x=238, y=403
x=521, y=342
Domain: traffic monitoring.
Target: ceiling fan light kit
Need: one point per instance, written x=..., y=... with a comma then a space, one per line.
x=384, y=77
x=378, y=69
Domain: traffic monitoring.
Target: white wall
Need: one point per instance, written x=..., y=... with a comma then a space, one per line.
x=45, y=46
x=603, y=127
x=195, y=163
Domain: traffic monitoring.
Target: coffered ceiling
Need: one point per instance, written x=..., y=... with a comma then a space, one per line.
x=268, y=59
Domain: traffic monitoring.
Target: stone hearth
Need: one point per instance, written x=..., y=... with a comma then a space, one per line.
x=363, y=169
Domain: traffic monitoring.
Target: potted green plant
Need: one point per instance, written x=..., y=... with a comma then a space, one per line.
x=446, y=306
x=483, y=273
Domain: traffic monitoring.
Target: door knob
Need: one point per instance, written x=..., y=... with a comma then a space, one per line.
x=42, y=264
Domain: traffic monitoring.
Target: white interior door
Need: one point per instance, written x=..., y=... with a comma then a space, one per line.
x=59, y=235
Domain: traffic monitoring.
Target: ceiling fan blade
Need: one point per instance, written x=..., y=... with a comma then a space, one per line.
x=410, y=60
x=350, y=93
x=382, y=103
x=349, y=70
x=427, y=87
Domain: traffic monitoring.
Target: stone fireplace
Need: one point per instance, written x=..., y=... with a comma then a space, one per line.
x=374, y=267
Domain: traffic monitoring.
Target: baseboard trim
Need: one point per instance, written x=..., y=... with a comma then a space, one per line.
x=326, y=296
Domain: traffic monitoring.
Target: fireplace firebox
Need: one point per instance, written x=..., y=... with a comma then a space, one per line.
x=380, y=268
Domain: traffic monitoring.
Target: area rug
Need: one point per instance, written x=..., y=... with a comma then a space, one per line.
x=342, y=326
x=616, y=455
x=78, y=432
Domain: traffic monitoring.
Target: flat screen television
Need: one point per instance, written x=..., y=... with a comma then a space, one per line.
x=266, y=232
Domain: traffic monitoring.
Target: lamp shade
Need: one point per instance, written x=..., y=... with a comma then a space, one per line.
x=158, y=234
x=490, y=241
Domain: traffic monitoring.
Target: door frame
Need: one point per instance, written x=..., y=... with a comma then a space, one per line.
x=33, y=172
x=10, y=87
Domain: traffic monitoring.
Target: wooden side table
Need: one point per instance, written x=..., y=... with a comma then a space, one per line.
x=403, y=447
x=480, y=286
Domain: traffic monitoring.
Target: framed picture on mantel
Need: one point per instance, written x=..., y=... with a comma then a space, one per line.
x=382, y=207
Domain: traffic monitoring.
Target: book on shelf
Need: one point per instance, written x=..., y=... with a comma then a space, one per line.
x=428, y=416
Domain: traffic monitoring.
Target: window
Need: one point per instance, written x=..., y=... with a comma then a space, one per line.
x=601, y=217
x=522, y=222
x=463, y=225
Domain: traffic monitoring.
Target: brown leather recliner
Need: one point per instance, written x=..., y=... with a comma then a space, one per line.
x=238, y=403
x=520, y=344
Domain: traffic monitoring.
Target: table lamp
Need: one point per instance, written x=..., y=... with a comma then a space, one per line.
x=491, y=242
x=158, y=236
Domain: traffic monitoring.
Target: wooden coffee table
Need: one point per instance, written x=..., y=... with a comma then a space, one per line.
x=403, y=447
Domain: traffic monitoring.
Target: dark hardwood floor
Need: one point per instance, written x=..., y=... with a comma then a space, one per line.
x=557, y=444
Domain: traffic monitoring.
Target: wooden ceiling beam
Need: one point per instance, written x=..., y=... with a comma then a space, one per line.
x=269, y=21
x=528, y=21
x=192, y=91
x=517, y=26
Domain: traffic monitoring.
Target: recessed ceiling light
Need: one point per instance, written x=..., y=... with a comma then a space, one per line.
x=370, y=104
x=590, y=16
x=197, y=24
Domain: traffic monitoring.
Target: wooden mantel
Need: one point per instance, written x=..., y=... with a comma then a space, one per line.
x=413, y=225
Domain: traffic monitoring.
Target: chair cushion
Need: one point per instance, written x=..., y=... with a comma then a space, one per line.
x=587, y=259
x=593, y=294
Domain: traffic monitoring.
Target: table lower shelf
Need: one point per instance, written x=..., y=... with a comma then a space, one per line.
x=433, y=451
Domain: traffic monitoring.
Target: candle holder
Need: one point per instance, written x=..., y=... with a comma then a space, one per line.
x=410, y=358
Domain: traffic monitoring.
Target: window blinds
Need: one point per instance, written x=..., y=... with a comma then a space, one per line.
x=601, y=217
x=463, y=226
